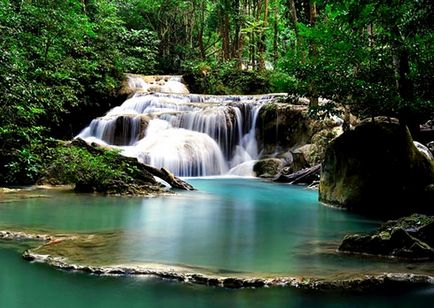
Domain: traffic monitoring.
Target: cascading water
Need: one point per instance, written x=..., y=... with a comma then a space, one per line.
x=191, y=135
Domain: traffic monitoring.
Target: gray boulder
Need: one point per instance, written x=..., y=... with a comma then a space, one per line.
x=376, y=169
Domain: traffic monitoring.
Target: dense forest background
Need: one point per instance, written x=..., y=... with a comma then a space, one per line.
x=62, y=61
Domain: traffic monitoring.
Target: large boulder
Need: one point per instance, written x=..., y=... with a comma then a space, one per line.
x=268, y=168
x=376, y=169
x=407, y=238
x=281, y=127
x=94, y=168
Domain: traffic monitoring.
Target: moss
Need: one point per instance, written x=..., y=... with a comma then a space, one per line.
x=377, y=170
x=93, y=169
x=269, y=167
x=407, y=238
x=282, y=127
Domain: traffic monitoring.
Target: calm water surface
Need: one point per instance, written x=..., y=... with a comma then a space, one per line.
x=237, y=225
x=23, y=284
x=234, y=225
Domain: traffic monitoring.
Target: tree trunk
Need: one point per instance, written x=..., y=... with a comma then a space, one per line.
x=294, y=19
x=313, y=53
x=276, y=35
x=225, y=35
x=200, y=31
x=405, y=89
x=306, y=175
x=237, y=41
x=262, y=40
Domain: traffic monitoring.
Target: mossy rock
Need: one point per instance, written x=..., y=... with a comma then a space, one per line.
x=92, y=168
x=377, y=170
x=268, y=168
x=408, y=238
x=281, y=127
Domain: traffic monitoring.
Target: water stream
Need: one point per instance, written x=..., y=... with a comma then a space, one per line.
x=232, y=226
x=190, y=134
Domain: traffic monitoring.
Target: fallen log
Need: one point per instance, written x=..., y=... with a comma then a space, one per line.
x=168, y=177
x=306, y=175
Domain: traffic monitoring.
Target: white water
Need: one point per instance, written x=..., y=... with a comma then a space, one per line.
x=191, y=135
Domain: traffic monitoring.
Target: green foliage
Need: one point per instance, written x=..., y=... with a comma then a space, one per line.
x=282, y=82
x=373, y=56
x=224, y=79
x=61, y=64
x=140, y=48
x=75, y=165
x=25, y=167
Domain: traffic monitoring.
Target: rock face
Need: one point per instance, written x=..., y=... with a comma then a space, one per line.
x=268, y=168
x=282, y=126
x=287, y=128
x=376, y=169
x=407, y=238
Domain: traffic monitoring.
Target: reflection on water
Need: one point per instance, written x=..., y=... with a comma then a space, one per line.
x=235, y=225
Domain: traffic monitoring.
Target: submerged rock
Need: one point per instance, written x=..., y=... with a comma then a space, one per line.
x=407, y=238
x=376, y=169
x=54, y=252
x=384, y=282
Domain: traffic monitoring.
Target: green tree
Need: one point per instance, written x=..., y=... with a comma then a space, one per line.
x=368, y=55
x=62, y=63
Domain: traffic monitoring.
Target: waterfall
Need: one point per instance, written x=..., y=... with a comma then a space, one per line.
x=163, y=125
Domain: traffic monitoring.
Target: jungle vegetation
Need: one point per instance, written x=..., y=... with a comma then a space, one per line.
x=62, y=61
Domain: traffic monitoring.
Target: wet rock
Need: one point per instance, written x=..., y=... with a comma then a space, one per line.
x=84, y=188
x=363, y=284
x=233, y=283
x=424, y=150
x=214, y=282
x=282, y=127
x=305, y=153
x=320, y=142
x=28, y=256
x=199, y=279
x=268, y=168
x=377, y=170
x=126, y=129
x=18, y=235
x=300, y=162
x=430, y=146
x=254, y=283
x=407, y=238
x=117, y=271
x=136, y=178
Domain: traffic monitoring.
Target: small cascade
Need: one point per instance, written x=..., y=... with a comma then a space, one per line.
x=158, y=84
x=163, y=125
